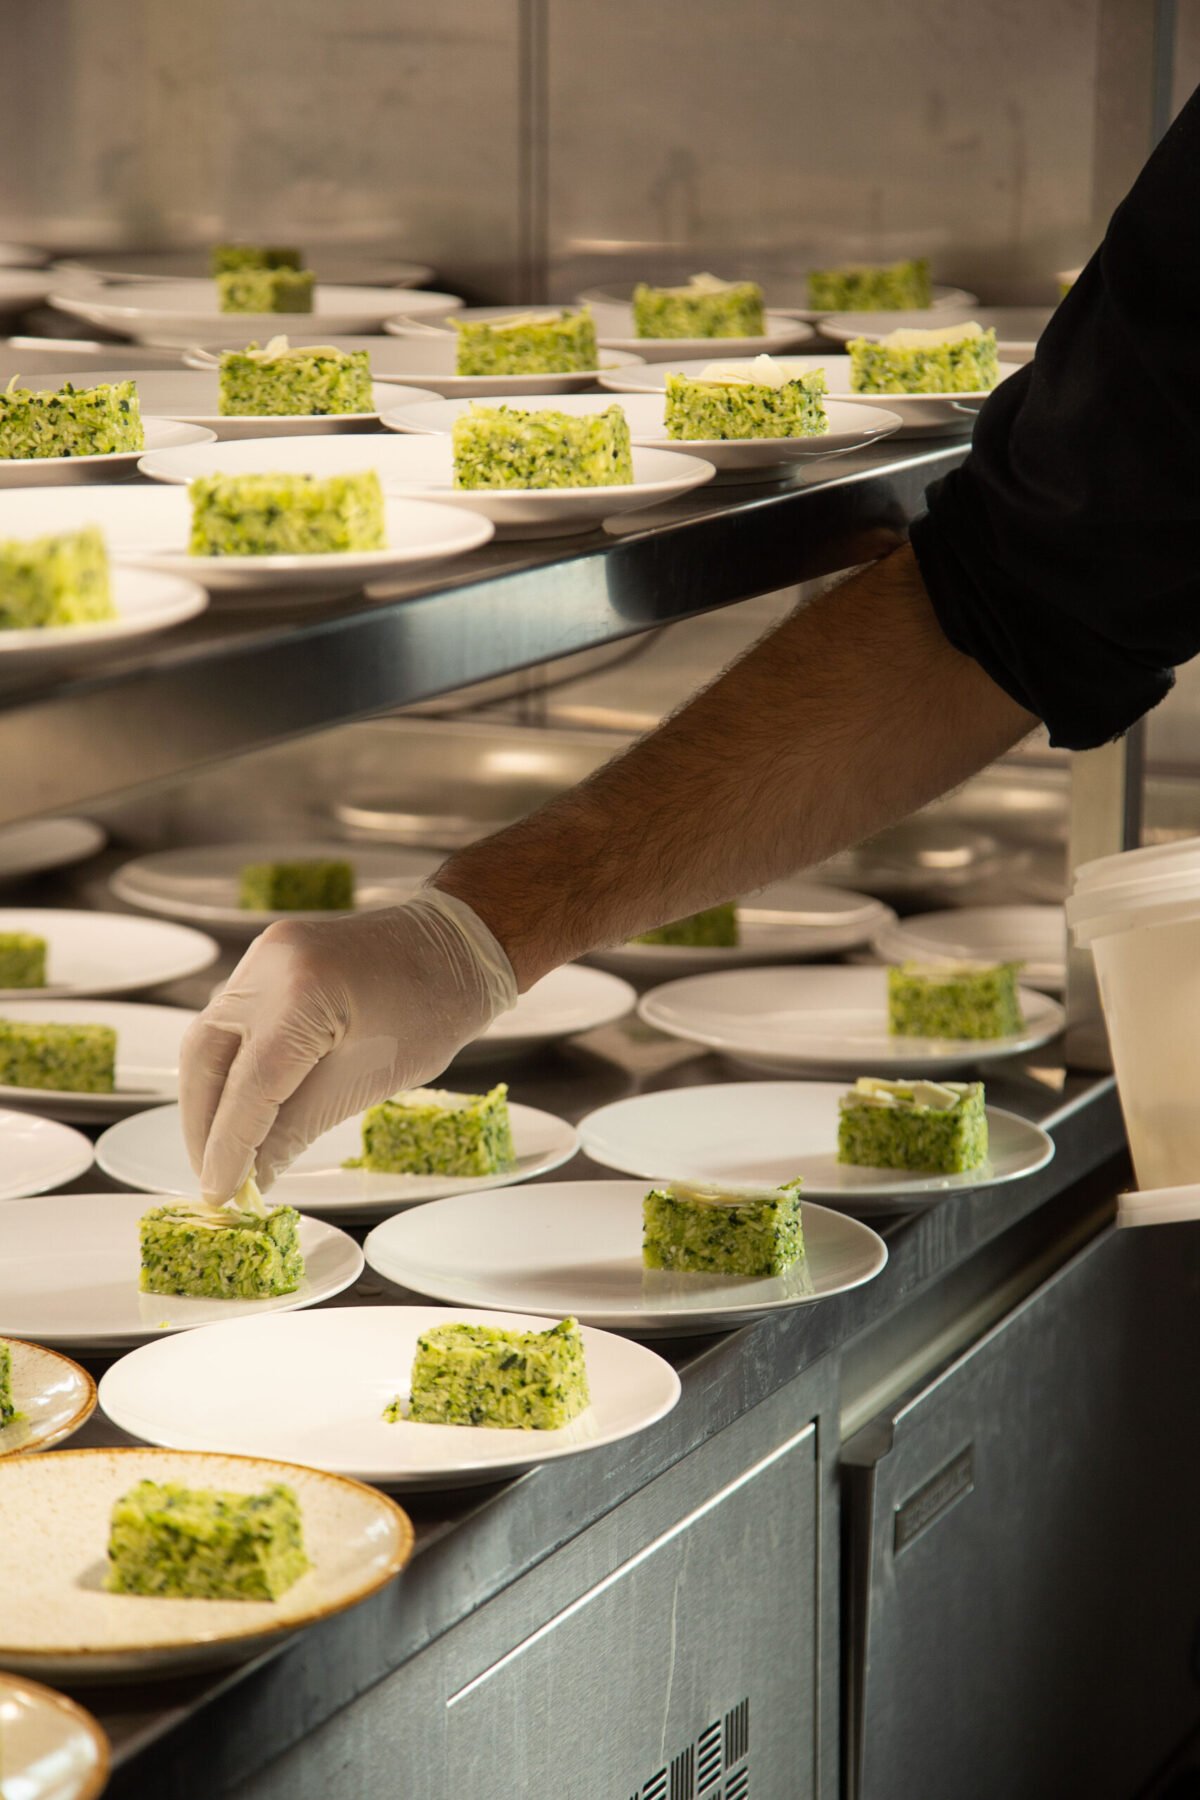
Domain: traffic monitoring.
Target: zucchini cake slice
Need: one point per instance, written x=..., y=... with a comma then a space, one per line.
x=705, y=307
x=78, y=1059
x=430, y=1131
x=70, y=421
x=313, y=886
x=478, y=1375
x=953, y=359
x=182, y=1543
x=871, y=287
x=746, y=400
x=225, y=258
x=240, y=1251
x=505, y=447
x=527, y=344
x=8, y=1406
x=22, y=960
x=265, y=290
x=722, y=1231
x=286, y=515
x=61, y=579
x=954, y=1000
x=939, y=1127
x=280, y=380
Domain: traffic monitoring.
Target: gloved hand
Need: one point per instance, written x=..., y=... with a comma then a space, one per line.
x=319, y=1021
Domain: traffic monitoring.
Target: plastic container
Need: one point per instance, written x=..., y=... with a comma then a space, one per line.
x=1139, y=913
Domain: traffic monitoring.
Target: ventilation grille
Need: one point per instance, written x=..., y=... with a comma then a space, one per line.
x=712, y=1767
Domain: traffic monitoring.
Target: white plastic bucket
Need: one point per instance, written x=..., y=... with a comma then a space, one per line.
x=1140, y=915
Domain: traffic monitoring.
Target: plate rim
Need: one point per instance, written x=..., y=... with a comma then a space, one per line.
x=63, y=1704
x=77, y=1420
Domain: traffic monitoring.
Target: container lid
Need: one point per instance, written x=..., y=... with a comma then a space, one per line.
x=1156, y=886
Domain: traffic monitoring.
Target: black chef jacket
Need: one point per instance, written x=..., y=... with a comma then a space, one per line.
x=1064, y=554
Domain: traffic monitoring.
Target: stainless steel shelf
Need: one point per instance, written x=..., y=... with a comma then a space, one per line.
x=232, y=682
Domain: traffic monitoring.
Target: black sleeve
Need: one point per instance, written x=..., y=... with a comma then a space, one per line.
x=1064, y=554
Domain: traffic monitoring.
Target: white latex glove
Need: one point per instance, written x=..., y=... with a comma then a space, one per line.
x=319, y=1021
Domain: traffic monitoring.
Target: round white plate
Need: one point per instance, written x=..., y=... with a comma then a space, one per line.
x=53, y=1749
x=21, y=289
x=615, y=330
x=60, y=1624
x=149, y=526
x=764, y=1133
x=788, y=1020
x=146, y=601
x=315, y=1386
x=576, y=1247
x=1034, y=936
x=178, y=313
x=69, y=1274
x=1017, y=328
x=357, y=268
x=105, y=953
x=53, y=1397
x=941, y=299
x=191, y=396
x=113, y=465
x=148, y=1045
x=41, y=844
x=791, y=918
x=850, y=427
x=38, y=1154
x=428, y=361
x=920, y=415
x=146, y=1152
x=561, y=1005
x=201, y=883
x=421, y=468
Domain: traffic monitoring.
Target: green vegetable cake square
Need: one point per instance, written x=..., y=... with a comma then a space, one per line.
x=76, y=1059
x=8, y=1406
x=519, y=1380
x=871, y=287
x=70, y=421
x=955, y=359
x=218, y=1254
x=265, y=290
x=935, y=1126
x=714, y=928
x=428, y=1131
x=224, y=259
x=527, y=344
x=503, y=447
x=954, y=1000
x=297, y=887
x=58, y=580
x=722, y=1231
x=286, y=515
x=757, y=400
x=182, y=1543
x=279, y=381
x=705, y=308
x=22, y=960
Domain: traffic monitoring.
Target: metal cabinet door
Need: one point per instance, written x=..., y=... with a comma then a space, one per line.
x=1024, y=1545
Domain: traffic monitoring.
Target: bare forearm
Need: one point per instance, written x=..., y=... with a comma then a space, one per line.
x=851, y=714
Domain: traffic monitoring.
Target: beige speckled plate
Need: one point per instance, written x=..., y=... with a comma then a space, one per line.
x=57, y=1623
x=53, y=1395
x=53, y=1749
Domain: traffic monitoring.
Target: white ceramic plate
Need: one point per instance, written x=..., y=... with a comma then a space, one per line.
x=38, y=1154
x=41, y=844
x=146, y=1152
x=146, y=600
x=920, y=415
x=148, y=1044
x=113, y=465
x=1034, y=936
x=428, y=361
x=105, y=953
x=1017, y=328
x=53, y=1749
x=201, y=883
x=21, y=289
x=69, y=1274
x=561, y=1005
x=421, y=468
x=191, y=396
x=315, y=1386
x=790, y=1020
x=149, y=526
x=53, y=1396
x=357, y=268
x=60, y=1623
x=615, y=330
x=763, y=1133
x=850, y=427
x=791, y=918
x=576, y=1247
x=178, y=313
